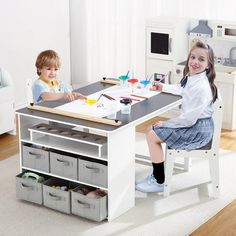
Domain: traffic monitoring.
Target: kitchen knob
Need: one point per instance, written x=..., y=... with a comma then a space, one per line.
x=178, y=71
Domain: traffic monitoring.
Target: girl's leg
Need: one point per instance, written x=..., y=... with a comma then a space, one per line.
x=155, y=181
x=154, y=145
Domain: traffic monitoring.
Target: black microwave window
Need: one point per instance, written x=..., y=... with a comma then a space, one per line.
x=160, y=43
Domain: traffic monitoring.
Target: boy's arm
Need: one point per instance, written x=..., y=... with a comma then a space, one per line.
x=49, y=96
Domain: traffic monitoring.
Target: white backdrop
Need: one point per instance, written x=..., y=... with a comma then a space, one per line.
x=100, y=37
x=108, y=36
x=26, y=28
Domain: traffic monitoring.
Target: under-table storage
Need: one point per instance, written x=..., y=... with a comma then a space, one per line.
x=29, y=187
x=69, y=140
x=92, y=172
x=57, y=194
x=64, y=165
x=35, y=157
x=89, y=206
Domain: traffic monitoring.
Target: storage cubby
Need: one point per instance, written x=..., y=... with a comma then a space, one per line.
x=69, y=140
x=67, y=159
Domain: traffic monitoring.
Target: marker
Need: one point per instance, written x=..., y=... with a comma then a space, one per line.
x=131, y=99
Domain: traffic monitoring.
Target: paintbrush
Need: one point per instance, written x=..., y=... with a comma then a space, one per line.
x=109, y=97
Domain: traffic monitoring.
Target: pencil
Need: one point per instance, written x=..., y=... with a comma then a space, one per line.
x=138, y=96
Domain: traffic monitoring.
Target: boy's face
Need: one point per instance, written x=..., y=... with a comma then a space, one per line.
x=49, y=73
x=198, y=61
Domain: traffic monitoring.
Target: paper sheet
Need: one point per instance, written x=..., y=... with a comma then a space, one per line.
x=105, y=107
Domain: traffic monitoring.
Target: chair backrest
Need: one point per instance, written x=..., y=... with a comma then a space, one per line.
x=5, y=78
x=217, y=117
x=29, y=91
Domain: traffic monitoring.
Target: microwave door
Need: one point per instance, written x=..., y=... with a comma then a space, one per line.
x=160, y=43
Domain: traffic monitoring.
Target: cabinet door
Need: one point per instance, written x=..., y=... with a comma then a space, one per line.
x=160, y=66
x=226, y=91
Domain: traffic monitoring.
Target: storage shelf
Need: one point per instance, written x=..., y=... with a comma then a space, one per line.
x=61, y=177
x=69, y=134
x=67, y=146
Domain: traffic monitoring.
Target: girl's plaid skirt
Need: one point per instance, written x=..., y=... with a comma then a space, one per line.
x=187, y=138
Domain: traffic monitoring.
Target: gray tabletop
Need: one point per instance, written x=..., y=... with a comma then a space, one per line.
x=138, y=110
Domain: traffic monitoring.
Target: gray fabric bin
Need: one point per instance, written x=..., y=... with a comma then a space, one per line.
x=63, y=165
x=92, y=173
x=29, y=190
x=88, y=207
x=35, y=158
x=57, y=199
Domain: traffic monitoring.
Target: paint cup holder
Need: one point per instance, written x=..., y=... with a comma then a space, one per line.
x=63, y=132
x=53, y=130
x=41, y=127
x=78, y=135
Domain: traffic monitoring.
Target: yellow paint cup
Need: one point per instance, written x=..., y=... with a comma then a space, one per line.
x=90, y=101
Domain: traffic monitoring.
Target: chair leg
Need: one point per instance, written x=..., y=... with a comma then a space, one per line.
x=187, y=163
x=169, y=166
x=214, y=172
x=184, y=164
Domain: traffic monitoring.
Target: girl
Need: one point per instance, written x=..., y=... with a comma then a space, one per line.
x=194, y=128
x=47, y=87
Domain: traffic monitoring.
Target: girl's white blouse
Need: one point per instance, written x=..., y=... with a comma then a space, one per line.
x=196, y=101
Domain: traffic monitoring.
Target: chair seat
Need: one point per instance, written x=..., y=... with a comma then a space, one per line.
x=206, y=147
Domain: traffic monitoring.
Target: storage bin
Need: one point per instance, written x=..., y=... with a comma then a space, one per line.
x=56, y=198
x=63, y=165
x=87, y=206
x=35, y=157
x=29, y=189
x=93, y=172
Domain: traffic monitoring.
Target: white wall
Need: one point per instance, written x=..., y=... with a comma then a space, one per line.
x=26, y=28
x=108, y=36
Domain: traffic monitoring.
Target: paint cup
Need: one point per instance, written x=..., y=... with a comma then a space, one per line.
x=112, y=107
x=126, y=105
x=123, y=79
x=133, y=83
x=145, y=85
x=90, y=101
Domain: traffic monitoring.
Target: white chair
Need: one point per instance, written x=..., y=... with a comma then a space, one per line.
x=29, y=92
x=211, y=152
x=7, y=103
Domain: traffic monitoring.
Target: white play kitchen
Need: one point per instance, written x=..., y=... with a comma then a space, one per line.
x=168, y=41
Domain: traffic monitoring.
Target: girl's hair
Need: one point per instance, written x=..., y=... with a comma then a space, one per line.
x=210, y=71
x=48, y=58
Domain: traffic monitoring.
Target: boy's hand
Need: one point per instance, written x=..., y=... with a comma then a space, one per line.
x=73, y=96
x=69, y=96
x=78, y=96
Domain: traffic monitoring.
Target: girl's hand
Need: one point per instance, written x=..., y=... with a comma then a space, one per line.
x=158, y=124
x=157, y=86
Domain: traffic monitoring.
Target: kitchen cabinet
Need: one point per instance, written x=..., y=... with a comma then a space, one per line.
x=226, y=83
x=163, y=49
